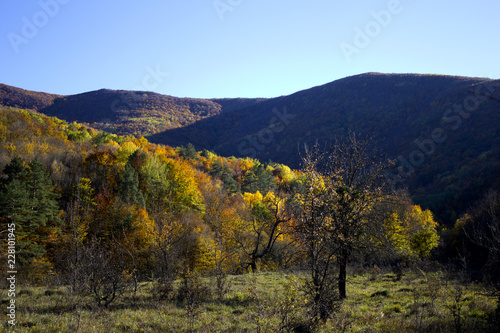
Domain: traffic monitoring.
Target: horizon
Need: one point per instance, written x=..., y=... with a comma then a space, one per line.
x=257, y=97
x=236, y=48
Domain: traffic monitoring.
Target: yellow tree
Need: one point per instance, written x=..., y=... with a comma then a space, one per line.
x=172, y=193
x=411, y=231
x=423, y=231
x=221, y=217
x=222, y=220
x=262, y=227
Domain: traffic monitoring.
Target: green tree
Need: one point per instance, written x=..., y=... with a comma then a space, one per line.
x=27, y=200
x=222, y=172
x=128, y=187
x=188, y=151
x=258, y=179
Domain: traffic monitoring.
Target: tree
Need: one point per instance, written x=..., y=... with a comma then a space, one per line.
x=27, y=200
x=411, y=231
x=188, y=151
x=128, y=187
x=421, y=229
x=258, y=178
x=482, y=226
x=344, y=186
x=220, y=217
x=79, y=213
x=170, y=186
x=222, y=172
x=316, y=241
x=173, y=198
x=103, y=270
x=263, y=226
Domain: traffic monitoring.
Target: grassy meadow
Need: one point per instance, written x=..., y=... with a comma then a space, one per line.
x=266, y=302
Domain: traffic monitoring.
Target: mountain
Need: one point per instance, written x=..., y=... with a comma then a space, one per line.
x=442, y=130
x=119, y=111
x=25, y=99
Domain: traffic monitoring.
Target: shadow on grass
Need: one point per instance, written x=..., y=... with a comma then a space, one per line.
x=71, y=306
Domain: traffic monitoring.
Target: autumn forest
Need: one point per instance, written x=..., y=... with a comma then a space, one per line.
x=107, y=222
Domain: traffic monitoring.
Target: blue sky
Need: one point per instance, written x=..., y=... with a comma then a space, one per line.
x=239, y=48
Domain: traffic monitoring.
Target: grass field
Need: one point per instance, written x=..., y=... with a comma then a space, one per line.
x=267, y=302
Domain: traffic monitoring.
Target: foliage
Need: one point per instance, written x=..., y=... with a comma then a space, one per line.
x=447, y=157
x=413, y=234
x=342, y=189
x=106, y=214
x=28, y=205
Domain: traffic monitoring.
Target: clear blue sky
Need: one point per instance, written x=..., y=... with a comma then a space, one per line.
x=239, y=48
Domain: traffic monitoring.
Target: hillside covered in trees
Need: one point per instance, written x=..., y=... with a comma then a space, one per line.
x=119, y=111
x=101, y=214
x=441, y=130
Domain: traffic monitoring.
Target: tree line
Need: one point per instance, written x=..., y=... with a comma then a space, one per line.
x=100, y=213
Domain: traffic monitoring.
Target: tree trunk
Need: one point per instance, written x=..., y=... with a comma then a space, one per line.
x=342, y=275
x=253, y=265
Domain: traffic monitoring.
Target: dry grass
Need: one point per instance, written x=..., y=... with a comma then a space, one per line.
x=267, y=302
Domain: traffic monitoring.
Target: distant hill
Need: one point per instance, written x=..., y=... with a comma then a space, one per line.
x=421, y=120
x=25, y=99
x=119, y=111
x=442, y=130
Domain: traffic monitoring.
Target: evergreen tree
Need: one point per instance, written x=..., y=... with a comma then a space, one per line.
x=27, y=200
x=250, y=182
x=224, y=174
x=128, y=186
x=258, y=179
x=188, y=152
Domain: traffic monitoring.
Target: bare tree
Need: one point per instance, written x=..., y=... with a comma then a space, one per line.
x=483, y=229
x=342, y=187
x=104, y=268
x=317, y=242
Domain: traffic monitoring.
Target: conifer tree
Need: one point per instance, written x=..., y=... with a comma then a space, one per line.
x=28, y=201
x=128, y=186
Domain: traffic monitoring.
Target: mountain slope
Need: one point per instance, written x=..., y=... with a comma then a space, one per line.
x=122, y=112
x=442, y=130
x=447, y=155
x=25, y=99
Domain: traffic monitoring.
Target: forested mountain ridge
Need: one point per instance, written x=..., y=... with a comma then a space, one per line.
x=384, y=106
x=25, y=99
x=401, y=112
x=441, y=130
x=98, y=213
x=119, y=111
